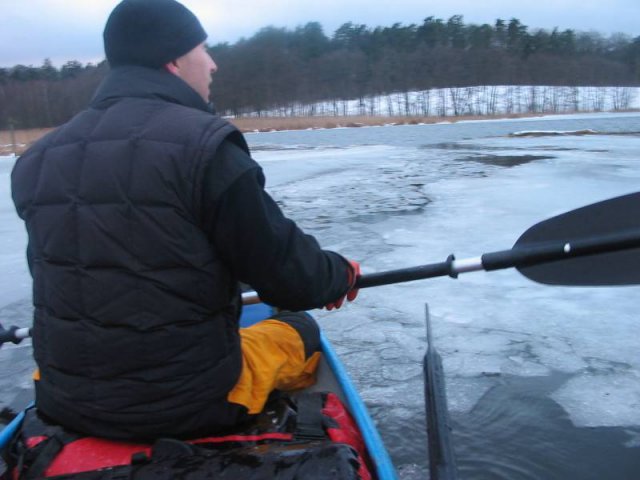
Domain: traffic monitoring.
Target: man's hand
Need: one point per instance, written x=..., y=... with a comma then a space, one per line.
x=352, y=293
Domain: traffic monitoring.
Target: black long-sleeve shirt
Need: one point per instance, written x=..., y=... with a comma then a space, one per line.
x=259, y=244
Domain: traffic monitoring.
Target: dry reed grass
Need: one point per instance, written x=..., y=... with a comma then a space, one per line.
x=22, y=139
x=268, y=124
x=19, y=140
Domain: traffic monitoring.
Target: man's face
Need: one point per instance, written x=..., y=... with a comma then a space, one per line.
x=196, y=68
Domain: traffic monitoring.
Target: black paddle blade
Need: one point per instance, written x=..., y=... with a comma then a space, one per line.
x=442, y=463
x=604, y=241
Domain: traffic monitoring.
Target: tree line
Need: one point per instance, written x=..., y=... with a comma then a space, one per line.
x=484, y=100
x=280, y=67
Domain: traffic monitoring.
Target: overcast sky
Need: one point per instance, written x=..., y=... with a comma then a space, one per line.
x=62, y=30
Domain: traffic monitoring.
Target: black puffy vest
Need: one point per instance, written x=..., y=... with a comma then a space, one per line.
x=136, y=318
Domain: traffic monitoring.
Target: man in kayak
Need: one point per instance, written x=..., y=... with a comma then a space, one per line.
x=144, y=212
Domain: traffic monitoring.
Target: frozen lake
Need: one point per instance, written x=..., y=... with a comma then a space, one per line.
x=543, y=382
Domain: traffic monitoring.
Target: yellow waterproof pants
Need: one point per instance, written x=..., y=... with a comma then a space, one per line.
x=273, y=357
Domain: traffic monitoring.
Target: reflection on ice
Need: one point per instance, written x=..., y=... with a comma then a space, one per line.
x=634, y=439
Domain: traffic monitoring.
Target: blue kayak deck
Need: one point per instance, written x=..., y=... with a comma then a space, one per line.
x=333, y=377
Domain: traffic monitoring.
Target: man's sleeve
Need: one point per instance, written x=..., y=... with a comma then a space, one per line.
x=259, y=244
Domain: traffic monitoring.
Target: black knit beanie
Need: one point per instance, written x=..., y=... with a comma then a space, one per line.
x=150, y=33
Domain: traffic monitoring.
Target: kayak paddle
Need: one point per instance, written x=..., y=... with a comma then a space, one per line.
x=595, y=245
x=442, y=462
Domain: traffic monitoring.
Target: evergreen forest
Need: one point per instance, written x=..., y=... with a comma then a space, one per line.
x=279, y=67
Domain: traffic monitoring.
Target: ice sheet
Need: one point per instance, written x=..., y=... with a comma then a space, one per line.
x=394, y=208
x=15, y=279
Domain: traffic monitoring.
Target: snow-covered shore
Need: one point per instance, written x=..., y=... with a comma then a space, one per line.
x=470, y=101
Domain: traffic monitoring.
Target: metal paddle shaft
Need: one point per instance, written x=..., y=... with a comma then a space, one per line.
x=408, y=274
x=13, y=334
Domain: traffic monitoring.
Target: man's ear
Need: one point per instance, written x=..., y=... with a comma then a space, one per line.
x=172, y=67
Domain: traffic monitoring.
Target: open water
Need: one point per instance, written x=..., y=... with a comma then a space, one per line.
x=543, y=382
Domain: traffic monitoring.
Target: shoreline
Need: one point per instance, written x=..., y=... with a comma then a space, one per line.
x=19, y=140
x=276, y=124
